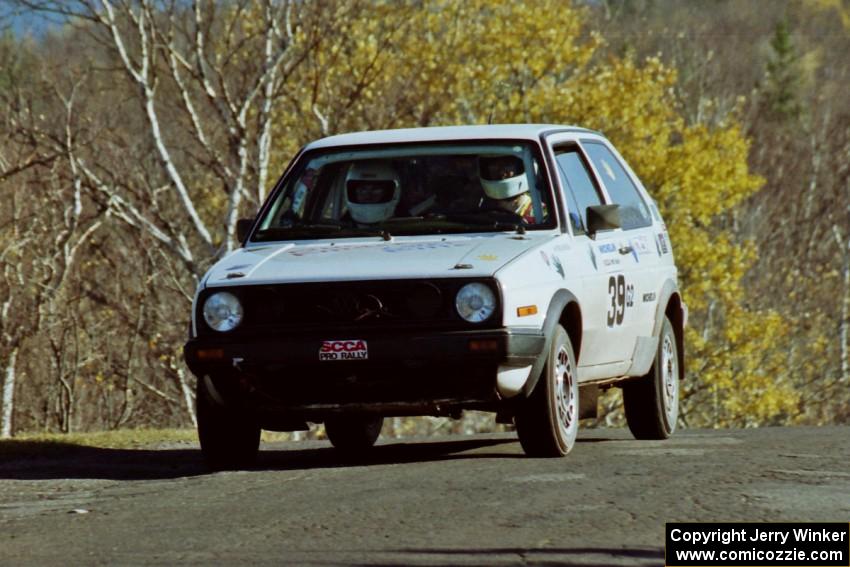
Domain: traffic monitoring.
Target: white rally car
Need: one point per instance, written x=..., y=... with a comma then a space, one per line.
x=511, y=268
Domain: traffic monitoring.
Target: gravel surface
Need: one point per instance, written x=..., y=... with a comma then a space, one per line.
x=437, y=501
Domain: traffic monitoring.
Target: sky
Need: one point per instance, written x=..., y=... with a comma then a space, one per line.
x=23, y=23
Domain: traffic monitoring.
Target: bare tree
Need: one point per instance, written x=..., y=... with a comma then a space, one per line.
x=204, y=79
x=842, y=242
x=217, y=69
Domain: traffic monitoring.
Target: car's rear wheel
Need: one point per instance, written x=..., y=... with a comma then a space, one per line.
x=353, y=433
x=547, y=422
x=652, y=401
x=230, y=439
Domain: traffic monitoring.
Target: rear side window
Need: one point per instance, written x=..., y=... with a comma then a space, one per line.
x=634, y=212
x=579, y=188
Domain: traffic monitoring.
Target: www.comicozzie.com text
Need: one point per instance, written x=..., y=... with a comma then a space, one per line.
x=726, y=537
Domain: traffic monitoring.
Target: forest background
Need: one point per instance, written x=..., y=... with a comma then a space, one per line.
x=133, y=135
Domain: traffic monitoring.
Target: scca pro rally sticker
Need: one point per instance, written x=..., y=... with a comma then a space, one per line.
x=355, y=349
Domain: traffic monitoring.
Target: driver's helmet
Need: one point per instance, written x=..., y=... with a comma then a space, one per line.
x=372, y=191
x=502, y=177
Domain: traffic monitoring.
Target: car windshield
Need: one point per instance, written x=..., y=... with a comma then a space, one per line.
x=409, y=190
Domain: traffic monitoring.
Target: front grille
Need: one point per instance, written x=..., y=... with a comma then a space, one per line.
x=357, y=305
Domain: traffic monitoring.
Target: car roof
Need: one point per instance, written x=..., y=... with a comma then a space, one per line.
x=445, y=133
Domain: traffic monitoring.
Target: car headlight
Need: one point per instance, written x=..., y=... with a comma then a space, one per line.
x=475, y=302
x=222, y=311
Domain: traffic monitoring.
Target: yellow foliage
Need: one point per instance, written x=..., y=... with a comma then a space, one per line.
x=838, y=7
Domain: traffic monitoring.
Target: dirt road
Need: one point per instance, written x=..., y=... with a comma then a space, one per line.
x=454, y=500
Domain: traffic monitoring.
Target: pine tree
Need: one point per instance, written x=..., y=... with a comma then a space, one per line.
x=781, y=98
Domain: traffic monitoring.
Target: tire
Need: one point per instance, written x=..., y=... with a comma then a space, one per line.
x=547, y=422
x=229, y=438
x=652, y=401
x=353, y=434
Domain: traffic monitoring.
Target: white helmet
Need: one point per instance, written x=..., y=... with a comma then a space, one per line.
x=372, y=191
x=502, y=176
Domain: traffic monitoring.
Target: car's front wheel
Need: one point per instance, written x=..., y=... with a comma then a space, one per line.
x=230, y=439
x=652, y=401
x=353, y=433
x=547, y=422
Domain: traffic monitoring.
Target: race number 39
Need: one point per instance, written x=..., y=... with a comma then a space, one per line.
x=621, y=295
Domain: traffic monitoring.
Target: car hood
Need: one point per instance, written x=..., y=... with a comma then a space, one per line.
x=362, y=259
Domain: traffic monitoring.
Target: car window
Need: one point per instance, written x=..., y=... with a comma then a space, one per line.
x=579, y=188
x=408, y=189
x=633, y=210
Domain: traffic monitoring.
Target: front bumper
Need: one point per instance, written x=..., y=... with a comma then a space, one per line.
x=403, y=369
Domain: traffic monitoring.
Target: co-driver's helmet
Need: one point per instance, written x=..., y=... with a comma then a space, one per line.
x=503, y=176
x=372, y=191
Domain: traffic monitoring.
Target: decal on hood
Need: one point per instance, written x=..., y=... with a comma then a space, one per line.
x=363, y=260
x=389, y=248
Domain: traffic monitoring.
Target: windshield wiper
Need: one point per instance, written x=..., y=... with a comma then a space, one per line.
x=496, y=219
x=319, y=230
x=280, y=232
x=382, y=232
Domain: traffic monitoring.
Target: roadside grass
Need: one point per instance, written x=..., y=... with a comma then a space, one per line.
x=114, y=439
x=35, y=444
x=48, y=445
x=30, y=443
x=43, y=444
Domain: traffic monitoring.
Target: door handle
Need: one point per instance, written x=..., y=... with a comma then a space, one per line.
x=625, y=250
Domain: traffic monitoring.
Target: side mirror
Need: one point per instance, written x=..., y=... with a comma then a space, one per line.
x=602, y=217
x=243, y=227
